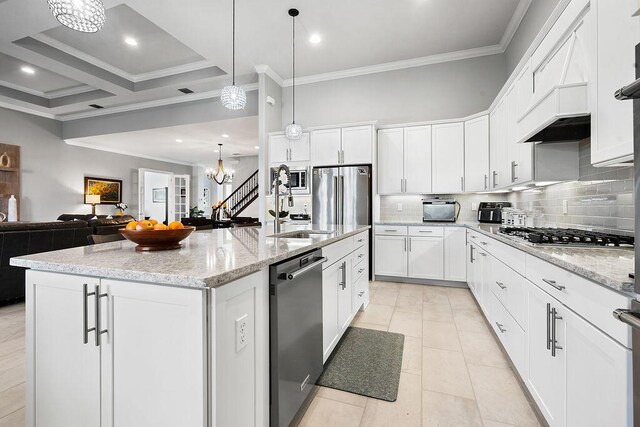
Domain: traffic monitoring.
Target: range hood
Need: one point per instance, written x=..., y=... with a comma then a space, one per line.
x=561, y=115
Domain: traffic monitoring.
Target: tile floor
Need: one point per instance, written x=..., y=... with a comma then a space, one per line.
x=453, y=372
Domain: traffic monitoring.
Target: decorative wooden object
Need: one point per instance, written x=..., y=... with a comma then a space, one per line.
x=9, y=175
x=157, y=240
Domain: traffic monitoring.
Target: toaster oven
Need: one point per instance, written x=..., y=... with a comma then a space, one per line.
x=439, y=210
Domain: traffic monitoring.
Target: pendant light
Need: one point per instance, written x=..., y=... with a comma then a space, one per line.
x=219, y=175
x=293, y=131
x=233, y=97
x=87, y=16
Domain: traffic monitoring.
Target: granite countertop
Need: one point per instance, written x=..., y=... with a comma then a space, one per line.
x=608, y=266
x=432, y=224
x=208, y=258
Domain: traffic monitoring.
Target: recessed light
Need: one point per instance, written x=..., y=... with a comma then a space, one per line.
x=224, y=135
x=178, y=141
x=28, y=70
x=315, y=38
x=131, y=41
x=257, y=147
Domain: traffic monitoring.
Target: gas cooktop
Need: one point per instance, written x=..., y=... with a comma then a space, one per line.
x=567, y=236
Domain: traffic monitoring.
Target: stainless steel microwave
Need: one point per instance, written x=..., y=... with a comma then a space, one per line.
x=437, y=210
x=299, y=180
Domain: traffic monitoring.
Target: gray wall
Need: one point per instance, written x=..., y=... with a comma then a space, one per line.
x=531, y=24
x=431, y=92
x=52, y=172
x=269, y=120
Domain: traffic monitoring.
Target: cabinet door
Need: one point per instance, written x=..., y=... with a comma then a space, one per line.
x=455, y=263
x=598, y=377
x=612, y=67
x=417, y=159
x=325, y=147
x=485, y=274
x=513, y=149
x=546, y=373
x=448, y=158
x=494, y=140
x=331, y=278
x=64, y=371
x=357, y=145
x=471, y=268
x=154, y=364
x=426, y=258
x=391, y=256
x=300, y=149
x=476, y=154
x=345, y=293
x=390, y=161
x=278, y=149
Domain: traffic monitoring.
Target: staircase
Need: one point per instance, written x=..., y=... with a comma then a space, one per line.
x=244, y=195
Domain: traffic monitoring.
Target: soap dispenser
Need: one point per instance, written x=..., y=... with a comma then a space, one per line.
x=12, y=215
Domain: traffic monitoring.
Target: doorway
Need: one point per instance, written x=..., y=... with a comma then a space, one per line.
x=163, y=195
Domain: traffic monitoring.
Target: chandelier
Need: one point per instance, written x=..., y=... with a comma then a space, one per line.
x=293, y=131
x=233, y=97
x=87, y=16
x=220, y=175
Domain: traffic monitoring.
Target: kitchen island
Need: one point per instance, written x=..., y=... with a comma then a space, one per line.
x=118, y=337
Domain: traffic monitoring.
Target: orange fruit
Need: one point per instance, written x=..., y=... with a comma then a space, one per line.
x=153, y=221
x=176, y=225
x=144, y=225
x=131, y=225
x=160, y=227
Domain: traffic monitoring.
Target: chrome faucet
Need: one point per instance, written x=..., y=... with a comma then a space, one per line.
x=276, y=192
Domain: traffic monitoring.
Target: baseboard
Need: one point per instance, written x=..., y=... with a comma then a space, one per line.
x=447, y=283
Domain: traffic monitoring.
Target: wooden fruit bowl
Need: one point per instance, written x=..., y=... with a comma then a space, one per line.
x=157, y=240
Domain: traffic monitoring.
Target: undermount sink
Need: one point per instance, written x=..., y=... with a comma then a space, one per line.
x=303, y=234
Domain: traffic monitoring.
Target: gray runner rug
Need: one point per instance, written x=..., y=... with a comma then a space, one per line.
x=366, y=362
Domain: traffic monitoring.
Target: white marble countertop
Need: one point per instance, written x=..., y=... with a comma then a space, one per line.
x=608, y=266
x=207, y=259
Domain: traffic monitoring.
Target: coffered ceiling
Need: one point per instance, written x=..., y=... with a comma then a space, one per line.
x=150, y=49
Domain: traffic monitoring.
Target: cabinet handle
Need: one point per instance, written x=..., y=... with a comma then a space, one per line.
x=485, y=181
x=343, y=282
x=99, y=330
x=409, y=244
x=484, y=243
x=405, y=185
x=360, y=240
x=500, y=327
x=360, y=271
x=554, y=284
x=554, y=344
x=483, y=254
x=502, y=285
x=462, y=183
x=360, y=293
x=360, y=256
x=473, y=237
x=495, y=182
x=405, y=244
x=471, y=258
x=548, y=326
x=342, y=156
x=425, y=231
x=390, y=231
x=513, y=171
x=401, y=185
x=85, y=313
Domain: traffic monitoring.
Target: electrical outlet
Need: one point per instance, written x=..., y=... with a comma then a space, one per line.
x=474, y=206
x=242, y=332
x=565, y=207
x=399, y=207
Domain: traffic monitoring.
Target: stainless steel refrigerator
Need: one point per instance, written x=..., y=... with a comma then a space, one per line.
x=341, y=195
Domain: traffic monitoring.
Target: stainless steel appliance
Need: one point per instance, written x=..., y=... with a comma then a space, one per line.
x=299, y=181
x=341, y=195
x=295, y=334
x=568, y=237
x=632, y=316
x=440, y=210
x=491, y=212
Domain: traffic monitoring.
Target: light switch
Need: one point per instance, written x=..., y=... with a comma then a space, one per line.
x=399, y=207
x=565, y=207
x=474, y=206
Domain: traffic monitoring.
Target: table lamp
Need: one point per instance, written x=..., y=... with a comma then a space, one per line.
x=93, y=200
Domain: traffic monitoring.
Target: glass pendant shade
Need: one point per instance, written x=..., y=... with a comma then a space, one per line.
x=233, y=97
x=293, y=132
x=87, y=16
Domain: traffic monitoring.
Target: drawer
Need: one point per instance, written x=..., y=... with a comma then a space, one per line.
x=336, y=251
x=360, y=240
x=511, y=290
x=360, y=295
x=360, y=270
x=360, y=254
x=425, y=231
x=588, y=299
x=513, y=257
x=391, y=230
x=511, y=335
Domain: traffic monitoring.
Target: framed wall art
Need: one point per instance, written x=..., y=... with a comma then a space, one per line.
x=109, y=190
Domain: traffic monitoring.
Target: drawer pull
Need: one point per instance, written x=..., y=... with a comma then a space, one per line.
x=390, y=231
x=502, y=285
x=425, y=231
x=484, y=243
x=360, y=240
x=360, y=271
x=360, y=293
x=473, y=237
x=360, y=256
x=483, y=254
x=500, y=327
x=554, y=284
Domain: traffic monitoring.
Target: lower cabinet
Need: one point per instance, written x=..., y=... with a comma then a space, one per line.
x=455, y=241
x=426, y=258
x=391, y=256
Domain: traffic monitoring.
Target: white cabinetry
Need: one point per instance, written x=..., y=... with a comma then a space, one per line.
x=426, y=258
x=476, y=154
x=281, y=150
x=326, y=147
x=498, y=149
x=391, y=255
x=342, y=146
x=331, y=278
x=404, y=159
x=448, y=158
x=455, y=240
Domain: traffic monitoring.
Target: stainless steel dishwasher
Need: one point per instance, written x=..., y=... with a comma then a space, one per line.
x=295, y=329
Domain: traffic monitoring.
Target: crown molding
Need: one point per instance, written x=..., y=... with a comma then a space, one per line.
x=150, y=104
x=514, y=23
x=23, y=89
x=398, y=65
x=125, y=153
x=265, y=69
x=26, y=110
x=69, y=91
x=135, y=78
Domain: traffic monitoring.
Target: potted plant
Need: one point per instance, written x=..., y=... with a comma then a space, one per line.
x=121, y=208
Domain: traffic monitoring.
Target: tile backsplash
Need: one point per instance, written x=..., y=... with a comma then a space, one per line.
x=601, y=199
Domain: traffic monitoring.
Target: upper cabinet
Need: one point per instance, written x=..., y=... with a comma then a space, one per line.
x=448, y=158
x=281, y=150
x=404, y=160
x=476, y=147
x=612, y=64
x=342, y=146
